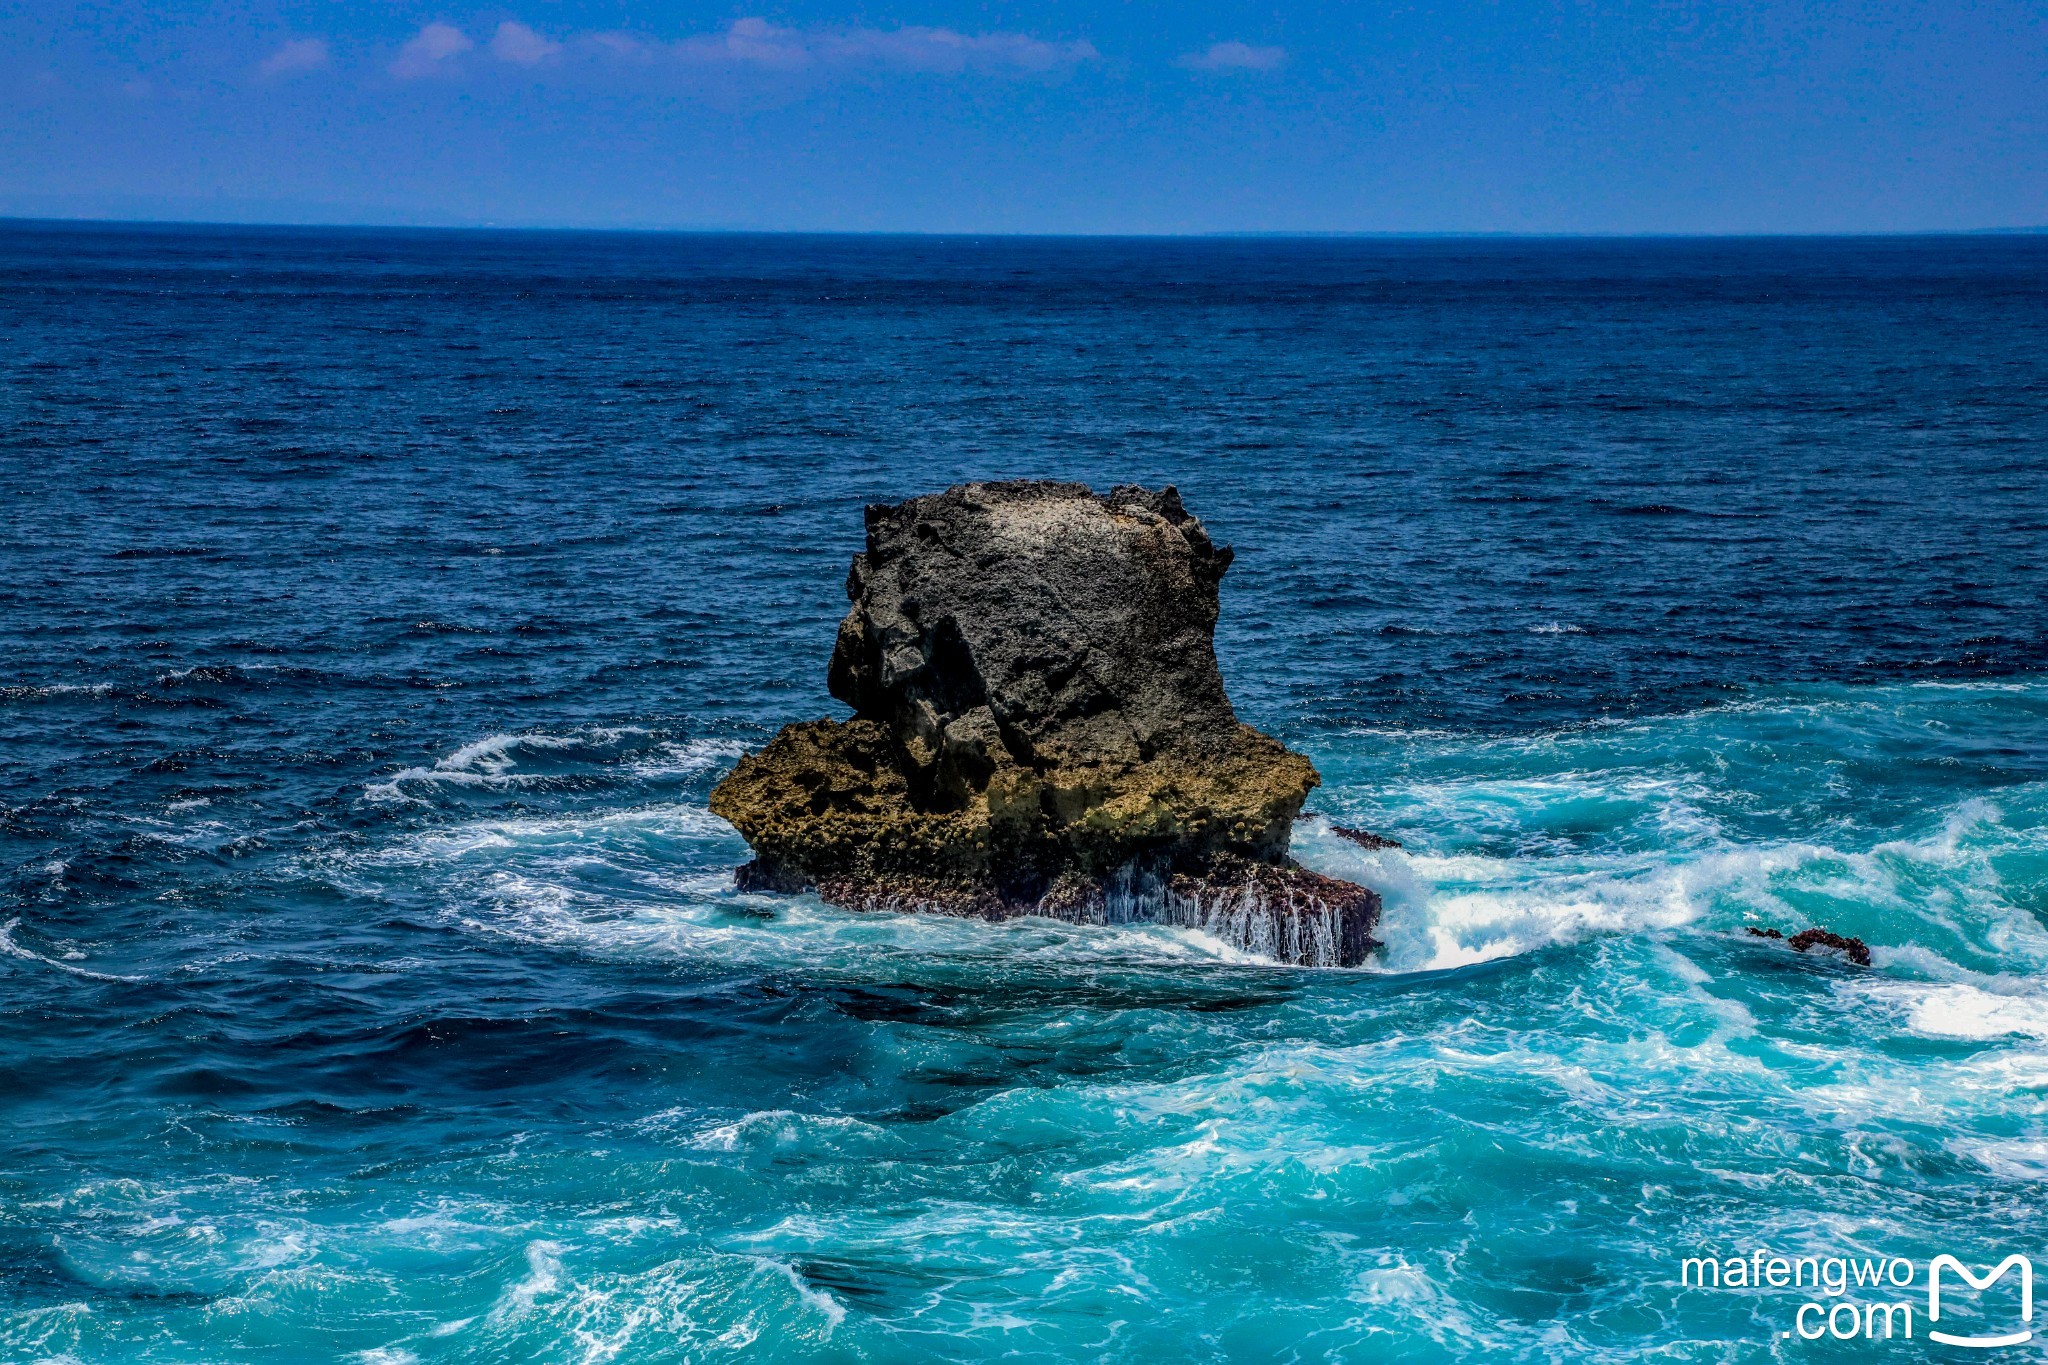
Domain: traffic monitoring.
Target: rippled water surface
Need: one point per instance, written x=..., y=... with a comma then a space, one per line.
x=378, y=609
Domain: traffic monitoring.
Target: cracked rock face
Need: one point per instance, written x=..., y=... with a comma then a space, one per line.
x=1040, y=728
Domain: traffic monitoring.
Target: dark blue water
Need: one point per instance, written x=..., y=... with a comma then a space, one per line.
x=378, y=608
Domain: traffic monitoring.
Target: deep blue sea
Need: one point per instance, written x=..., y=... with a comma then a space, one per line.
x=377, y=608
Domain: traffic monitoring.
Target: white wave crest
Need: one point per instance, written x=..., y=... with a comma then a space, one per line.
x=543, y=1277
x=14, y=949
x=689, y=758
x=1965, y=1011
x=1451, y=909
x=485, y=762
x=497, y=762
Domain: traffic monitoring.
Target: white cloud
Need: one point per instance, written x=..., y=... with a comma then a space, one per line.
x=430, y=50
x=300, y=54
x=754, y=44
x=942, y=49
x=759, y=45
x=749, y=42
x=1236, y=57
x=516, y=43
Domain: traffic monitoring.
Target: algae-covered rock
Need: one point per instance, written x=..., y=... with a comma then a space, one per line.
x=1041, y=728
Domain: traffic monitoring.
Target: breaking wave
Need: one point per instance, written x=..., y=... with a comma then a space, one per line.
x=1511, y=846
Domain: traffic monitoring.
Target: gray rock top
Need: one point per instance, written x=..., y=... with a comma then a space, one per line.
x=1080, y=626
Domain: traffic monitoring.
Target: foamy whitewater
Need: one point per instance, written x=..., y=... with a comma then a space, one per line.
x=375, y=987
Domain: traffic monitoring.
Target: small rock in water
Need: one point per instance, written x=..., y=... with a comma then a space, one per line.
x=1364, y=838
x=1040, y=728
x=1855, y=949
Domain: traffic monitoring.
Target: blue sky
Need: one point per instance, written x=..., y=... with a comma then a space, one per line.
x=1075, y=116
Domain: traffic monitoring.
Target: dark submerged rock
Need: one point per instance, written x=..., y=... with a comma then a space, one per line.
x=1040, y=728
x=1855, y=949
x=1364, y=838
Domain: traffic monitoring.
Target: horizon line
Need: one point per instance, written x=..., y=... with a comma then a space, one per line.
x=1280, y=234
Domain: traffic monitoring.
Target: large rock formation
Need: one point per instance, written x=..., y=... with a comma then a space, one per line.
x=1040, y=728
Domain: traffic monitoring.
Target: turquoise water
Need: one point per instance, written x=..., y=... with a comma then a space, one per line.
x=382, y=608
x=891, y=1137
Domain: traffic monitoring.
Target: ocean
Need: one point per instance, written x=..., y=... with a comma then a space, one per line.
x=378, y=608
